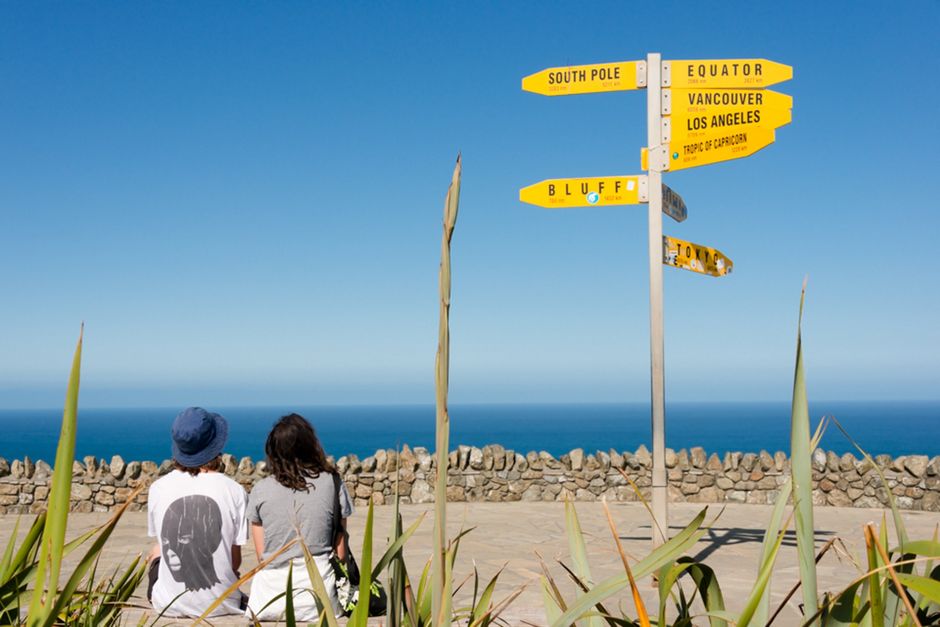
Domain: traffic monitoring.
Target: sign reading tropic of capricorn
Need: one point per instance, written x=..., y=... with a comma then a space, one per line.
x=698, y=113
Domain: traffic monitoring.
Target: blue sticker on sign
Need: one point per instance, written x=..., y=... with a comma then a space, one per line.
x=593, y=197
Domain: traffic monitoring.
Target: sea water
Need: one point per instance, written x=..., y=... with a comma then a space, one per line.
x=895, y=428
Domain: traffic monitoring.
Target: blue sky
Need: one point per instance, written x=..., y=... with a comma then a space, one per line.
x=243, y=201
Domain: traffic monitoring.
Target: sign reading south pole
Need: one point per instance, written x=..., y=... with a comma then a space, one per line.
x=695, y=257
x=587, y=79
x=597, y=191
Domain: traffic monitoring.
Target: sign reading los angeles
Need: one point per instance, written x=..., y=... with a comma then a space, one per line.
x=587, y=79
x=725, y=73
x=697, y=113
x=598, y=191
x=688, y=256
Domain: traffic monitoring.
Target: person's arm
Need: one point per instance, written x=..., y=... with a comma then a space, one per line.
x=339, y=542
x=257, y=537
x=154, y=553
x=236, y=557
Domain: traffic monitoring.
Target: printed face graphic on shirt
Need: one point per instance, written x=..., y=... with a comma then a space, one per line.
x=190, y=534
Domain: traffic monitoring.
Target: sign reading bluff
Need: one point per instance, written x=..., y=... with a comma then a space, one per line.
x=725, y=73
x=688, y=256
x=587, y=79
x=598, y=191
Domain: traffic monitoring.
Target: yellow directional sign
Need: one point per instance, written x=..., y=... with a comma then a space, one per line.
x=725, y=73
x=695, y=113
x=714, y=148
x=585, y=79
x=598, y=191
x=688, y=256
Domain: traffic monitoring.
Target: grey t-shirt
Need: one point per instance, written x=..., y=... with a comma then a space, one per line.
x=281, y=511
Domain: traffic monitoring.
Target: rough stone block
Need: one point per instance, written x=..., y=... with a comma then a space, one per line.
x=766, y=461
x=916, y=465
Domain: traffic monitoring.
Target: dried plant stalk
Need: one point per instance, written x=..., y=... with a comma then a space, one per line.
x=441, y=577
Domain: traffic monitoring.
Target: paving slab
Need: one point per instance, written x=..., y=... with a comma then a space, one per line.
x=513, y=536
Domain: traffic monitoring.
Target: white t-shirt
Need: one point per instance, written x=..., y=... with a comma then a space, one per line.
x=196, y=520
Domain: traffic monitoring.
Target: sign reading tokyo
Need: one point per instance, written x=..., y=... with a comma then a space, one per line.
x=725, y=73
x=587, y=79
x=598, y=191
x=694, y=113
x=688, y=256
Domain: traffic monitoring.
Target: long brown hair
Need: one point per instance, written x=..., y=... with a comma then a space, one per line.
x=295, y=452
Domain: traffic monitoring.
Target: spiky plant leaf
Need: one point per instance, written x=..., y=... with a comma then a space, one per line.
x=802, y=475
x=53, y=535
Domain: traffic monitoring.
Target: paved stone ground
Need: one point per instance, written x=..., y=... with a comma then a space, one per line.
x=512, y=534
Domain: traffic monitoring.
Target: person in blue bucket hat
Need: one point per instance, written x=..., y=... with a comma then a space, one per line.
x=197, y=516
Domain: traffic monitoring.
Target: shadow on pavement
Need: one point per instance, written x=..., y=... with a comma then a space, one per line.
x=717, y=537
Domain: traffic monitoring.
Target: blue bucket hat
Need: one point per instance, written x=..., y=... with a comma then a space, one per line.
x=198, y=436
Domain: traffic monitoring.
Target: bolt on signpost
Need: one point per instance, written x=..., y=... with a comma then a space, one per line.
x=697, y=113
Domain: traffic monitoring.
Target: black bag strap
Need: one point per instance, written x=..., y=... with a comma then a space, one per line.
x=337, y=514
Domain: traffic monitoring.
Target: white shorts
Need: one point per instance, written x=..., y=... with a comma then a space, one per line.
x=270, y=582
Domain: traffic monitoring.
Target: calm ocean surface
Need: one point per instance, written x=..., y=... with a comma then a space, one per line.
x=895, y=428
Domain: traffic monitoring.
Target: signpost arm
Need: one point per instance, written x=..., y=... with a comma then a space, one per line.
x=657, y=368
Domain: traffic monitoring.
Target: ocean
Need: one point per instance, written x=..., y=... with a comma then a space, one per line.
x=894, y=428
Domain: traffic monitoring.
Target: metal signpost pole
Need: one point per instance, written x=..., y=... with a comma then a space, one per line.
x=656, y=164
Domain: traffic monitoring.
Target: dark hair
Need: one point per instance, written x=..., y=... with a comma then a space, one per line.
x=295, y=452
x=213, y=465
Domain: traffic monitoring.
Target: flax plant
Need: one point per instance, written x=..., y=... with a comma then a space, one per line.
x=802, y=475
x=441, y=569
x=53, y=534
x=892, y=589
x=37, y=558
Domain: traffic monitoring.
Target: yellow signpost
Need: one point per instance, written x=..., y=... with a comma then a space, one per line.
x=695, y=257
x=714, y=148
x=725, y=73
x=587, y=79
x=695, y=113
x=598, y=191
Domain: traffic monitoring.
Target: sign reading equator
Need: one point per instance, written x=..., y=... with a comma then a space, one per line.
x=596, y=191
x=587, y=79
x=725, y=73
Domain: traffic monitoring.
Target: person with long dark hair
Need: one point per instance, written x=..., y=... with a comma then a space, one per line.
x=298, y=502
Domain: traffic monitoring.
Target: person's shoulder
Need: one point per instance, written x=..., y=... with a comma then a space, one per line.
x=166, y=481
x=265, y=486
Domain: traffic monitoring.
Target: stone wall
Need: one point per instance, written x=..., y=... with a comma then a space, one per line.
x=496, y=474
